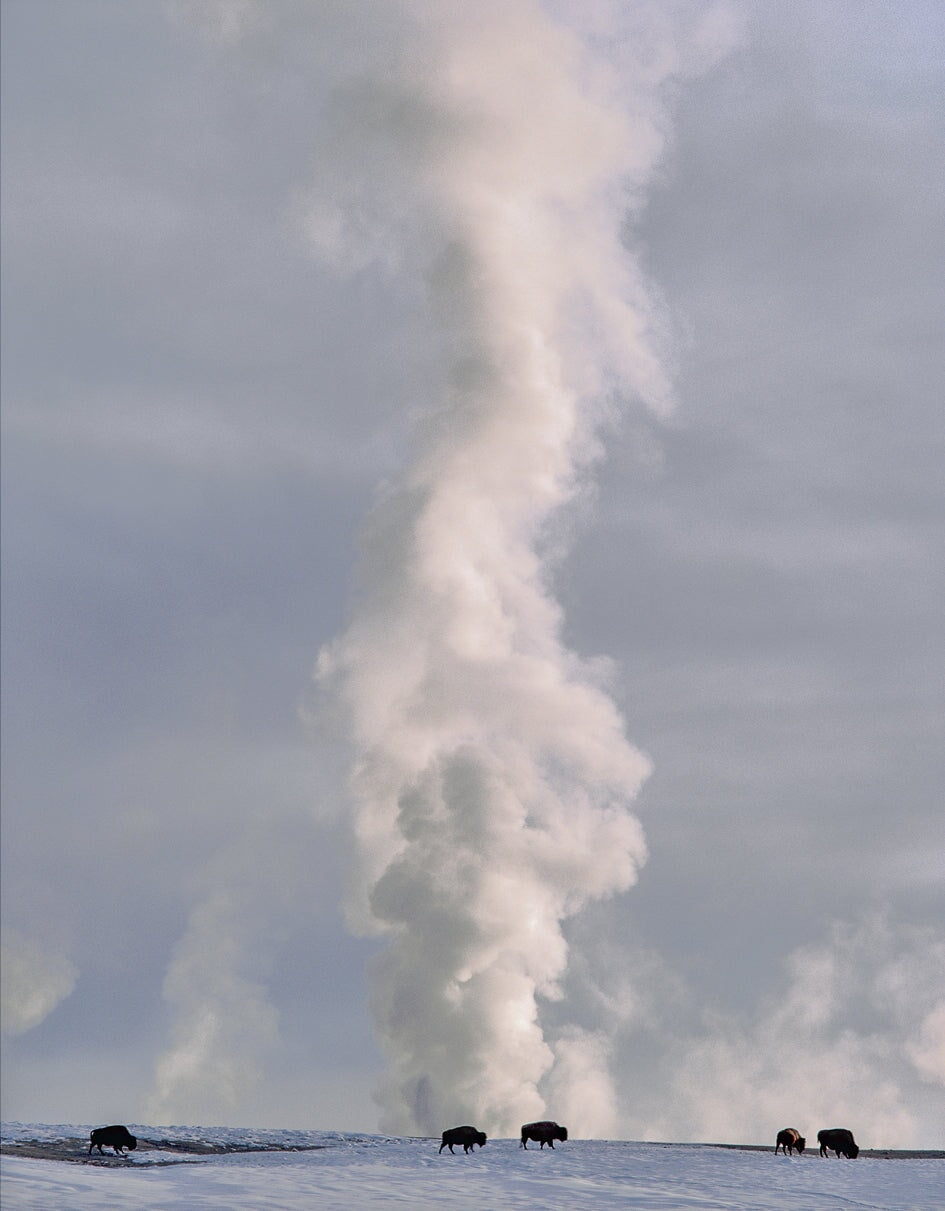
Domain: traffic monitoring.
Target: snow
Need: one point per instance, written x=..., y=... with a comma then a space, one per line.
x=338, y=1172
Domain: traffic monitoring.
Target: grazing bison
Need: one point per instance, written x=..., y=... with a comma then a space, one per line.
x=840, y=1140
x=116, y=1137
x=467, y=1136
x=543, y=1133
x=790, y=1140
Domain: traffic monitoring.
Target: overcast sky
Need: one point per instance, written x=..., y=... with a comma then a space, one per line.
x=253, y=258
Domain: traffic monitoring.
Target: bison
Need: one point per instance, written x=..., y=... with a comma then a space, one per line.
x=116, y=1137
x=790, y=1140
x=840, y=1140
x=543, y=1133
x=467, y=1136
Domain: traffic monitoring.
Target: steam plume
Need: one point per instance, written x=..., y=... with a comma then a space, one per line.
x=222, y=1021
x=493, y=778
x=35, y=981
x=224, y=1025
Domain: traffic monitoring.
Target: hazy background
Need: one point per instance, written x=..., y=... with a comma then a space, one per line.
x=197, y=416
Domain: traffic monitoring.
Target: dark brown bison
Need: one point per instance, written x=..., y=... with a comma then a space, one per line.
x=790, y=1140
x=840, y=1140
x=116, y=1137
x=543, y=1133
x=467, y=1136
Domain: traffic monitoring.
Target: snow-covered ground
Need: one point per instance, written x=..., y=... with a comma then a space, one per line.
x=351, y=1172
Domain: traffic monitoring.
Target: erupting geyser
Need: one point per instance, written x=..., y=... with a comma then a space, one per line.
x=493, y=777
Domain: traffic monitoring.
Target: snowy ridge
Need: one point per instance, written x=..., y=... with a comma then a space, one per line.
x=204, y=1168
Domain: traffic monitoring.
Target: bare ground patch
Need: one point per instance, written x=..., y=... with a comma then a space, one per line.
x=76, y=1151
